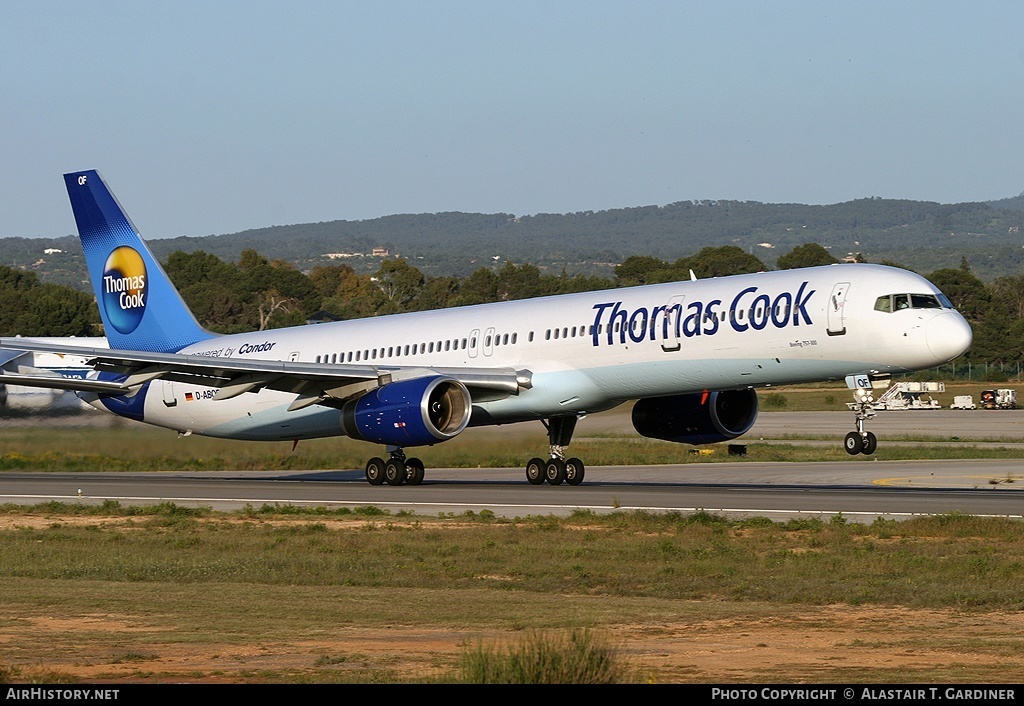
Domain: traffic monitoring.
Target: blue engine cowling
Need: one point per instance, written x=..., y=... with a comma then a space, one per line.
x=414, y=412
x=702, y=418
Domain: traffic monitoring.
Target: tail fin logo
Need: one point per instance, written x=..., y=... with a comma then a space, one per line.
x=125, y=291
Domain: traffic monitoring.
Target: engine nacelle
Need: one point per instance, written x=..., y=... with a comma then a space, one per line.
x=413, y=412
x=702, y=418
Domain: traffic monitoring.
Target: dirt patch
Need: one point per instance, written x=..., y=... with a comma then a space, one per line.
x=834, y=643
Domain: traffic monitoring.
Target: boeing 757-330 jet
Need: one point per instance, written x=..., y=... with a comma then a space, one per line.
x=691, y=354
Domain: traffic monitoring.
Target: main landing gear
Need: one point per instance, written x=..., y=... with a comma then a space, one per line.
x=860, y=441
x=396, y=470
x=399, y=470
x=558, y=469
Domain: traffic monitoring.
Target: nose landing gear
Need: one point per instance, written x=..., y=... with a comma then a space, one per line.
x=861, y=441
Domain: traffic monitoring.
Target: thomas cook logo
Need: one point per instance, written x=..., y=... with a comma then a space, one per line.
x=124, y=289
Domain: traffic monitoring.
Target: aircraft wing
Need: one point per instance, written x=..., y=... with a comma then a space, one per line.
x=314, y=383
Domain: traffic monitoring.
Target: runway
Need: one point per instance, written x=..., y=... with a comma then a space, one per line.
x=858, y=490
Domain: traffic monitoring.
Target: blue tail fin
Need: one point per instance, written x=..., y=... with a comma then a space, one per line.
x=140, y=307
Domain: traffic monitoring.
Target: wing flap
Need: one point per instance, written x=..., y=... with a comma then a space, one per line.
x=58, y=382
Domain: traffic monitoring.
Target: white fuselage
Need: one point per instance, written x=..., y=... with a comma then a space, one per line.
x=589, y=352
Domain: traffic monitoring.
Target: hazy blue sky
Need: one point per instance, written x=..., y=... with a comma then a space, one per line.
x=214, y=117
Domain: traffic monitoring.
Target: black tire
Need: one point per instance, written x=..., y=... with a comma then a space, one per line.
x=554, y=471
x=394, y=471
x=853, y=443
x=870, y=443
x=414, y=471
x=574, y=471
x=535, y=471
x=375, y=471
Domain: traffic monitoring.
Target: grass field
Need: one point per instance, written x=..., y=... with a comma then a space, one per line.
x=114, y=594
x=119, y=594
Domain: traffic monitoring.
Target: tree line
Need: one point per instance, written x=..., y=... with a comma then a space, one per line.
x=257, y=293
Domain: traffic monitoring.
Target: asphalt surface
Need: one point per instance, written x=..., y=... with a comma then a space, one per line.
x=859, y=490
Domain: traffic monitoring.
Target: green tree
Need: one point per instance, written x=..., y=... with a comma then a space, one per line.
x=643, y=269
x=343, y=292
x=30, y=308
x=480, y=287
x=806, y=255
x=988, y=320
x=438, y=293
x=719, y=262
x=398, y=284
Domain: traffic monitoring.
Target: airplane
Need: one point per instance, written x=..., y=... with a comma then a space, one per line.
x=23, y=399
x=691, y=354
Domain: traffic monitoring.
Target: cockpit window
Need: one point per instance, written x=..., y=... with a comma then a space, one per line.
x=896, y=302
x=924, y=301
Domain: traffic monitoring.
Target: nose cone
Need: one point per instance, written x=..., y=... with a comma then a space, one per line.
x=948, y=336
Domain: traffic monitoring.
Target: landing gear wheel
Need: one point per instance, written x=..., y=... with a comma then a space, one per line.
x=554, y=471
x=375, y=471
x=870, y=443
x=414, y=471
x=394, y=471
x=574, y=471
x=535, y=471
x=853, y=443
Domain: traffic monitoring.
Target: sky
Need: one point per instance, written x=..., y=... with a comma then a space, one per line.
x=218, y=116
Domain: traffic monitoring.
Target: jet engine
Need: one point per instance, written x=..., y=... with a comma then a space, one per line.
x=702, y=418
x=413, y=412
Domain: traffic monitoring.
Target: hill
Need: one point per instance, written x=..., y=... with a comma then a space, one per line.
x=920, y=235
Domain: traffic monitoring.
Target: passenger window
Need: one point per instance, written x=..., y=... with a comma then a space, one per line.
x=514, y=337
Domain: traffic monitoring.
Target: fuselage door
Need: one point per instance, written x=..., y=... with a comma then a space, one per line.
x=671, y=324
x=837, y=309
